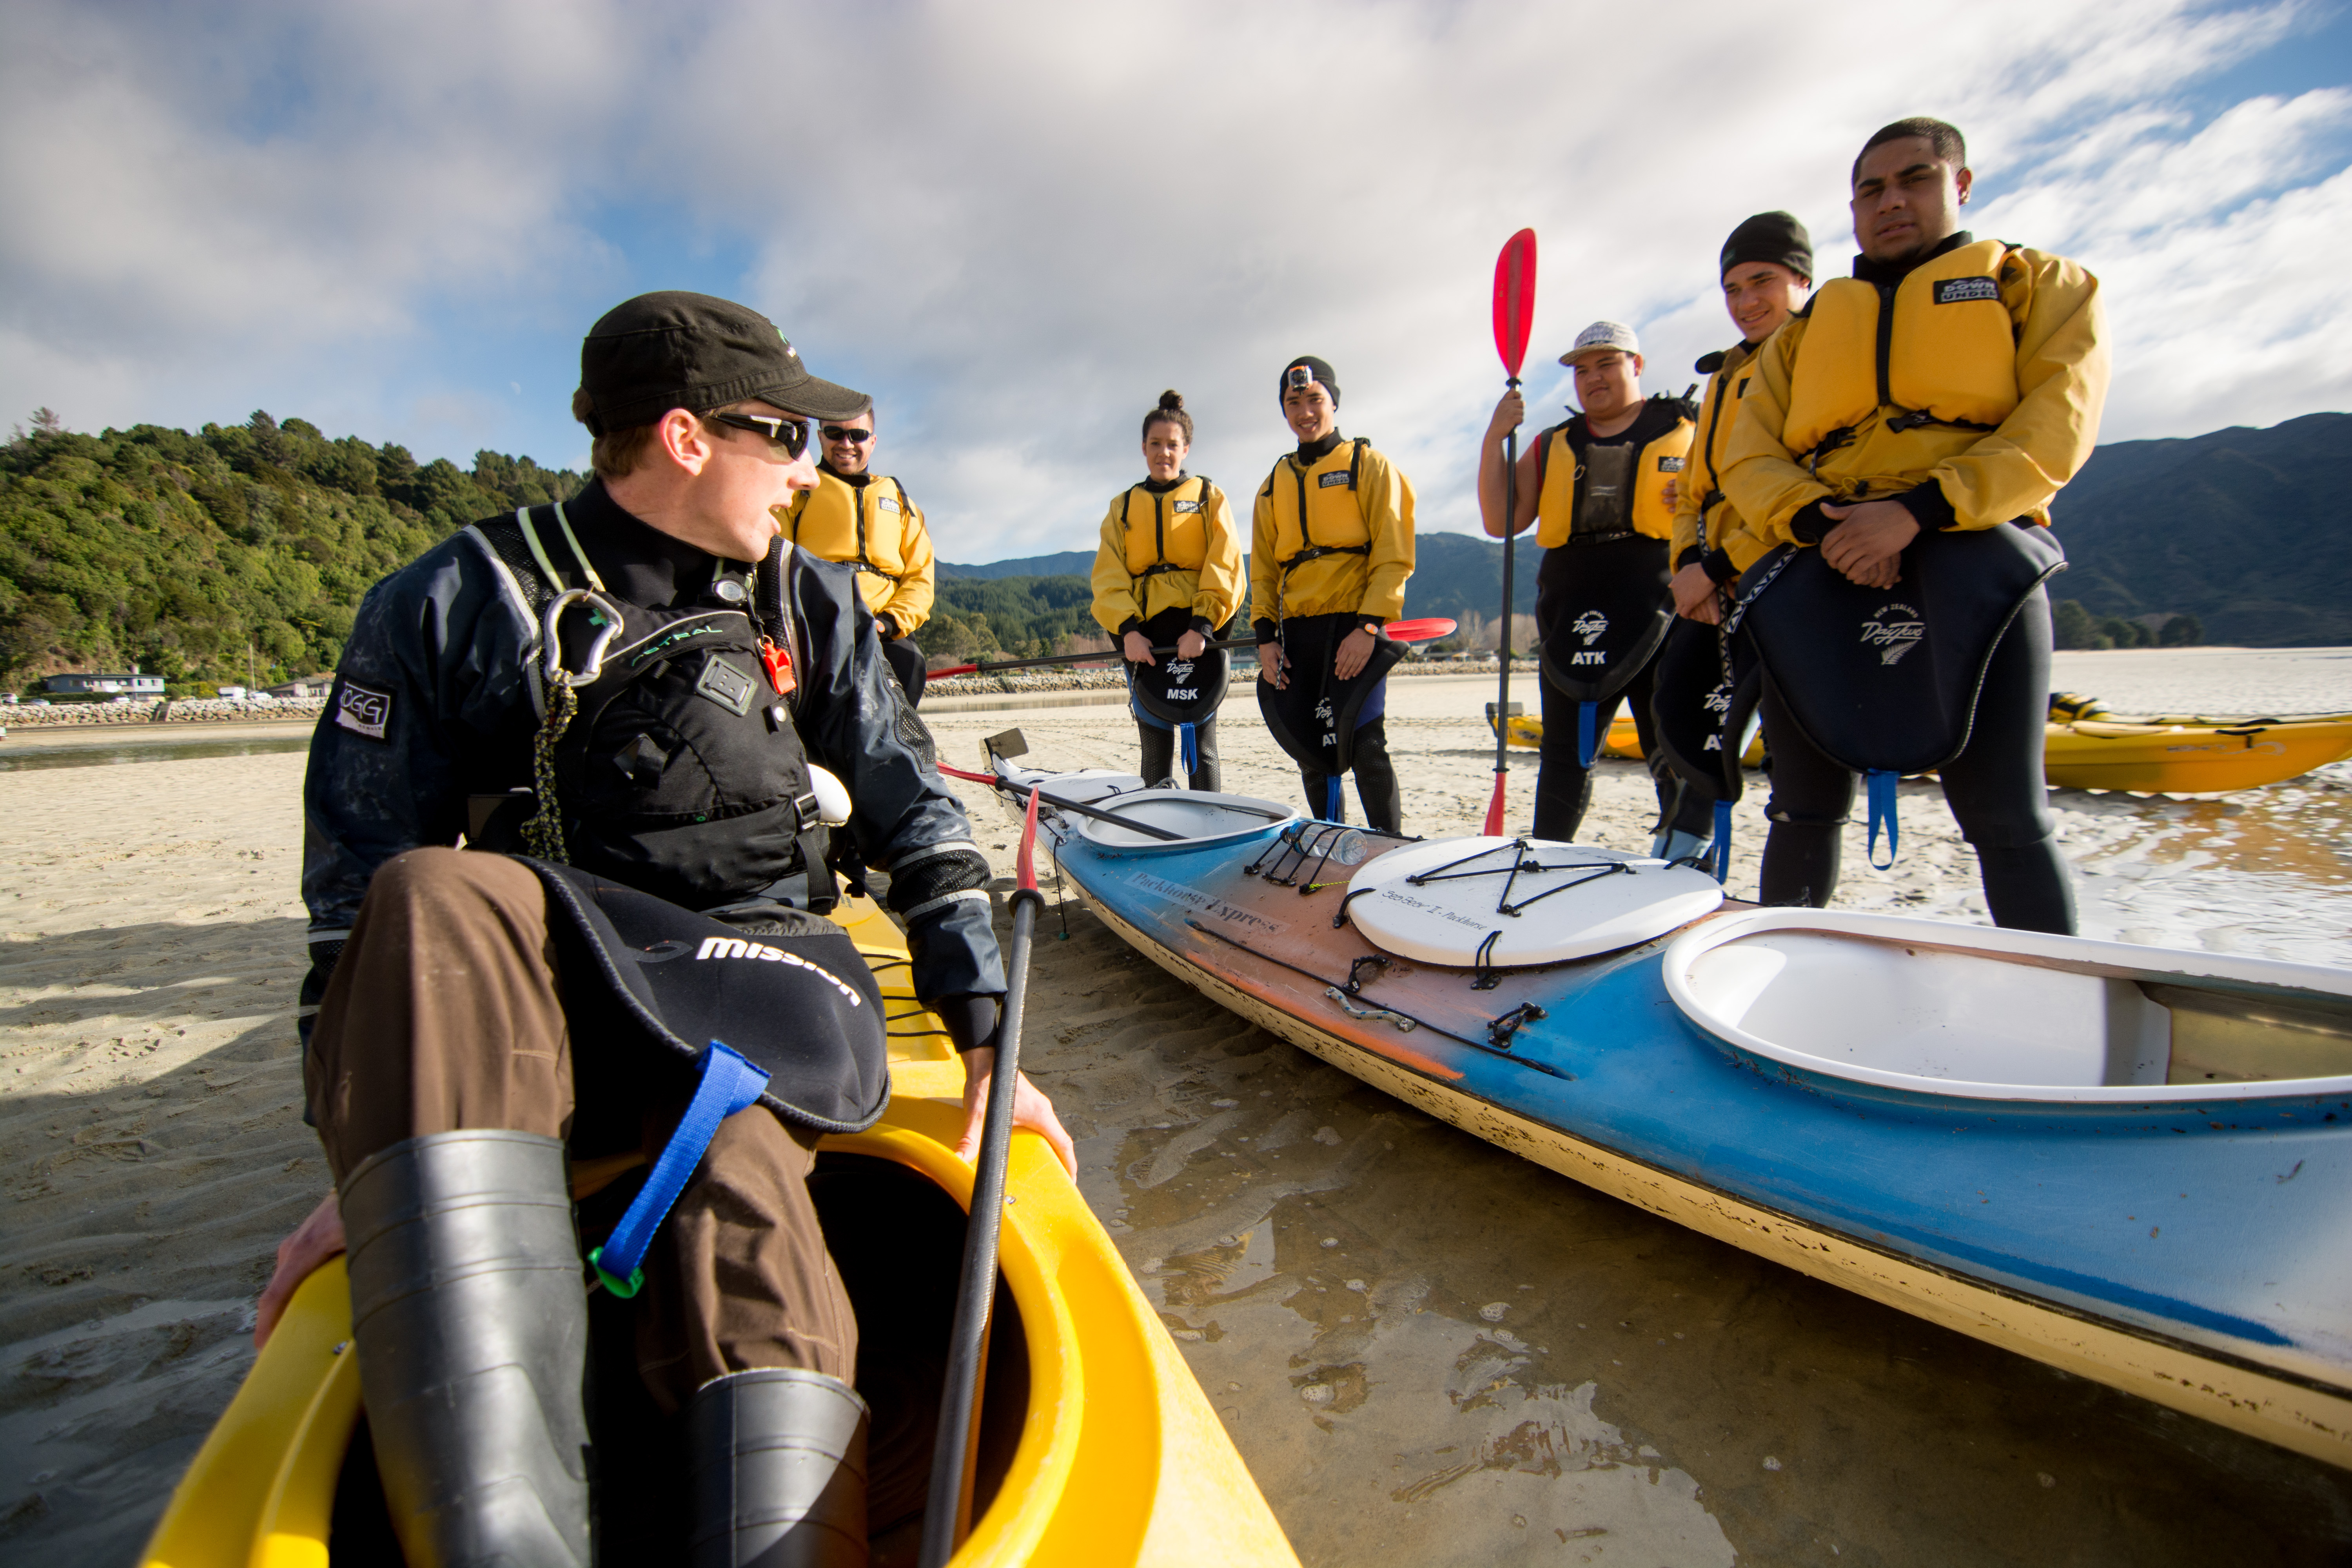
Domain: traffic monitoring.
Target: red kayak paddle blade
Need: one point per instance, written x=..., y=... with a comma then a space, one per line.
x=1429, y=629
x=1515, y=299
x=1494, y=808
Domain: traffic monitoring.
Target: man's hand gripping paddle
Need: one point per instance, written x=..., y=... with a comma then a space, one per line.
x=1428, y=628
x=976, y=1291
x=1515, y=313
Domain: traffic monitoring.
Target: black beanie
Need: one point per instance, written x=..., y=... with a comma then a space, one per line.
x=1776, y=238
x=1317, y=368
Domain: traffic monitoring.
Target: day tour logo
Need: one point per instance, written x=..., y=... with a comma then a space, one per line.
x=1894, y=631
x=1590, y=625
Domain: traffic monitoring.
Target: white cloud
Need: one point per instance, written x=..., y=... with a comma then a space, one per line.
x=1016, y=224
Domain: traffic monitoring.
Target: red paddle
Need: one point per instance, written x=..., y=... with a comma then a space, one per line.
x=1428, y=628
x=1515, y=313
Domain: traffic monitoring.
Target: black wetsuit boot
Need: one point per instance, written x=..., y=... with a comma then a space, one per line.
x=779, y=1459
x=471, y=1327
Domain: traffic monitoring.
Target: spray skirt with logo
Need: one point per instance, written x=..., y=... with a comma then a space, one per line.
x=1885, y=679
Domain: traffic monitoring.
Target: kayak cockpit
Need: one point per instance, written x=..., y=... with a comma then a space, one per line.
x=2002, y=1015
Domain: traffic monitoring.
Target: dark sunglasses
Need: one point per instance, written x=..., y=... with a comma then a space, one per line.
x=791, y=435
x=845, y=433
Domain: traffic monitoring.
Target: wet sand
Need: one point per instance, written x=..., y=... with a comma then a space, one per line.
x=1429, y=1351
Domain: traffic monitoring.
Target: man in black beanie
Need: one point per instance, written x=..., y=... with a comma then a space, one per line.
x=1331, y=548
x=1768, y=271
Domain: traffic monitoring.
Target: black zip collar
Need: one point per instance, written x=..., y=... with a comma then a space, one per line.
x=1886, y=273
x=1161, y=487
x=639, y=561
x=1310, y=453
x=855, y=481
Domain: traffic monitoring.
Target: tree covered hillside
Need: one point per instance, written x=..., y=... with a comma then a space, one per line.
x=197, y=555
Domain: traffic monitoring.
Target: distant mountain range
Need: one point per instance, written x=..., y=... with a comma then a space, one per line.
x=2250, y=530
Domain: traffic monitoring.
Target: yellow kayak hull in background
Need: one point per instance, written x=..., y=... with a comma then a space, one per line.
x=2190, y=756
x=1121, y=1459
x=2159, y=755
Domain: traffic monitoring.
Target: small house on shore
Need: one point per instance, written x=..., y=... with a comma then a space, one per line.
x=125, y=688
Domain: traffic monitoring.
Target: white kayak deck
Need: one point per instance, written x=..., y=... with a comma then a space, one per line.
x=1981, y=1013
x=1505, y=902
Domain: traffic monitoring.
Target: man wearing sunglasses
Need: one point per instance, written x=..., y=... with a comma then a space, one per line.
x=632, y=693
x=863, y=519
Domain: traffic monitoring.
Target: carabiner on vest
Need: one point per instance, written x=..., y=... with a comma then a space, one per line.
x=608, y=625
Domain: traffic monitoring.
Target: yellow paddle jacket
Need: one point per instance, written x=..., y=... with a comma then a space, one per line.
x=874, y=528
x=1334, y=537
x=1981, y=393
x=1708, y=529
x=1161, y=549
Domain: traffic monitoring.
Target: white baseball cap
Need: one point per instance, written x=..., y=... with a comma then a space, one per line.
x=1602, y=337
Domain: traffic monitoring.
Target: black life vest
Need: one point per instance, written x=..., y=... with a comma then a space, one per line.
x=681, y=775
x=1601, y=605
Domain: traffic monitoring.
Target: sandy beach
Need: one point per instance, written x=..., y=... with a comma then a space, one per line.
x=1428, y=1350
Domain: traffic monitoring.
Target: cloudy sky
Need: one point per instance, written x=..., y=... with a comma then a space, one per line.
x=1016, y=222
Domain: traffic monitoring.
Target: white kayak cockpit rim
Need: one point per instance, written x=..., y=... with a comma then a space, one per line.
x=1201, y=819
x=1980, y=1013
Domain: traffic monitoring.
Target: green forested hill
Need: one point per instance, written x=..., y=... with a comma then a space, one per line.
x=200, y=557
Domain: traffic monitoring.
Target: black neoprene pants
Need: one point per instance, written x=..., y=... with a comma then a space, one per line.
x=1376, y=781
x=1159, y=753
x=1994, y=787
x=1564, y=785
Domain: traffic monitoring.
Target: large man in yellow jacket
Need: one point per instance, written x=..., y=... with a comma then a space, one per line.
x=864, y=520
x=1951, y=383
x=1331, y=548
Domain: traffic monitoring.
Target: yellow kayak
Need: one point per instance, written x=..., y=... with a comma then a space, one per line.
x=1102, y=1450
x=2087, y=748
x=2187, y=756
x=1622, y=740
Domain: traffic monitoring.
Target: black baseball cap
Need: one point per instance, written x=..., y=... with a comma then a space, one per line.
x=697, y=352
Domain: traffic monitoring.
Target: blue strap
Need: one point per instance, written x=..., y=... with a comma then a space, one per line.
x=729, y=1085
x=1722, y=856
x=1331, y=798
x=1186, y=749
x=1587, y=720
x=1881, y=784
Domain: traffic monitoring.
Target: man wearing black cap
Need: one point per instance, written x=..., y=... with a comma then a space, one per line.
x=1767, y=268
x=1331, y=549
x=633, y=691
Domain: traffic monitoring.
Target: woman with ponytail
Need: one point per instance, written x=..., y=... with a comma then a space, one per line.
x=1168, y=574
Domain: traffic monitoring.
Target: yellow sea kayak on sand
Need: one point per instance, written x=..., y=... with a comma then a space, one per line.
x=2090, y=748
x=1097, y=1446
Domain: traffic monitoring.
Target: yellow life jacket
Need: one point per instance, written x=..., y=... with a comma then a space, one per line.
x=1172, y=535
x=1316, y=512
x=1934, y=354
x=1607, y=492
x=864, y=526
x=1729, y=372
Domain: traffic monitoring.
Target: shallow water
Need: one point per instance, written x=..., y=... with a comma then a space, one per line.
x=102, y=753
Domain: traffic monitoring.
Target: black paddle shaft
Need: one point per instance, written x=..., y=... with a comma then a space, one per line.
x=1109, y=655
x=976, y=1290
